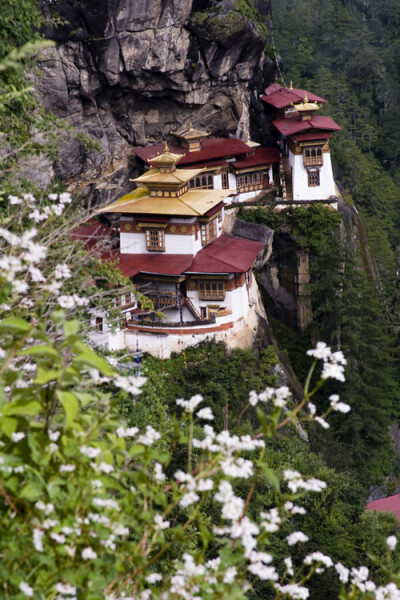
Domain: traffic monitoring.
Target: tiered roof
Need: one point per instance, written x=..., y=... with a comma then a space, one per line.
x=283, y=97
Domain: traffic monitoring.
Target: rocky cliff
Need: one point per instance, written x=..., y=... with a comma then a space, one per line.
x=126, y=73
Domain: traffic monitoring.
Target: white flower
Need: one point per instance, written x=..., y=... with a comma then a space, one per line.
x=293, y=590
x=160, y=523
x=343, y=572
x=158, y=472
x=106, y=468
x=333, y=371
x=37, y=539
x=14, y=200
x=66, y=301
x=109, y=503
x=57, y=537
x=289, y=565
x=149, y=437
x=26, y=589
x=90, y=451
x=322, y=422
x=62, y=271
x=46, y=508
x=339, y=406
x=65, y=198
x=318, y=557
x=88, y=553
x=253, y=398
x=263, y=572
x=188, y=499
x=67, y=468
x=52, y=447
x=153, y=578
x=321, y=351
x=190, y=405
x=391, y=542
x=66, y=589
x=130, y=432
x=17, y=437
x=237, y=468
x=295, y=537
x=230, y=575
x=205, y=413
x=204, y=485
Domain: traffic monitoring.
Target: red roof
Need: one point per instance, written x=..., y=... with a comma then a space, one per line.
x=262, y=156
x=211, y=148
x=292, y=126
x=281, y=97
x=304, y=137
x=227, y=254
x=95, y=233
x=156, y=264
x=390, y=504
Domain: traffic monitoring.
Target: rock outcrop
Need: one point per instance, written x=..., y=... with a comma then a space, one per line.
x=126, y=73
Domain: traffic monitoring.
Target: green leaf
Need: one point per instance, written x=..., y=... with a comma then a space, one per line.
x=9, y=426
x=136, y=449
x=70, y=404
x=40, y=350
x=14, y=325
x=71, y=328
x=45, y=375
x=31, y=492
x=23, y=408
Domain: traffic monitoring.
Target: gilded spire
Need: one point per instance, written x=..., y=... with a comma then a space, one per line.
x=291, y=85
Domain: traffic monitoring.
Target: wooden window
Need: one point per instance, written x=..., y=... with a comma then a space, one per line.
x=313, y=157
x=313, y=178
x=99, y=324
x=211, y=290
x=224, y=178
x=203, y=311
x=155, y=240
x=209, y=231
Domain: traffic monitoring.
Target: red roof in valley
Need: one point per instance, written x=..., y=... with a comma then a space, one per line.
x=282, y=97
x=390, y=504
x=156, y=264
x=262, y=156
x=292, y=126
x=227, y=254
x=211, y=148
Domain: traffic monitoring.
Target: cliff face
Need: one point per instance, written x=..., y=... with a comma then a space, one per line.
x=127, y=73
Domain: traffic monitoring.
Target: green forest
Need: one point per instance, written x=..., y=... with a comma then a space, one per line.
x=108, y=473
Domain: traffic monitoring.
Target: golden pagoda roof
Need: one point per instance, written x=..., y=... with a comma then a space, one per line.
x=166, y=158
x=191, y=133
x=193, y=203
x=306, y=105
x=153, y=177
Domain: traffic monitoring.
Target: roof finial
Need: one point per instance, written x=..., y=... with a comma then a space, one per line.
x=305, y=98
x=190, y=124
x=291, y=85
x=166, y=149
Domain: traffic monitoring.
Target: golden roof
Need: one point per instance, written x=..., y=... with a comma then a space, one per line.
x=193, y=203
x=153, y=177
x=305, y=105
x=191, y=133
x=166, y=158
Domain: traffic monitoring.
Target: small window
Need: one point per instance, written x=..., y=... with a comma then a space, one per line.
x=211, y=290
x=313, y=178
x=155, y=240
x=99, y=324
x=224, y=177
x=209, y=232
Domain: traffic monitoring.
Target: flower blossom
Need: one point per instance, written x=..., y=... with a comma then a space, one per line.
x=190, y=405
x=88, y=553
x=26, y=589
x=295, y=537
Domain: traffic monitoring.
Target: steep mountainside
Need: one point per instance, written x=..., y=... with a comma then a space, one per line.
x=127, y=73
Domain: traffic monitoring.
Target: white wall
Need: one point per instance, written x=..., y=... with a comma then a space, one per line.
x=135, y=243
x=301, y=191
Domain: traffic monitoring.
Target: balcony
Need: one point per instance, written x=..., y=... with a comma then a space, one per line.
x=313, y=161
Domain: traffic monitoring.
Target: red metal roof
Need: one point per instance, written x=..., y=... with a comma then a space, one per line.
x=262, y=156
x=281, y=97
x=304, y=137
x=211, y=148
x=292, y=126
x=227, y=254
x=95, y=233
x=390, y=504
x=156, y=264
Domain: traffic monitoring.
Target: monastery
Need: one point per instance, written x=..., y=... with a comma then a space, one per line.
x=174, y=244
